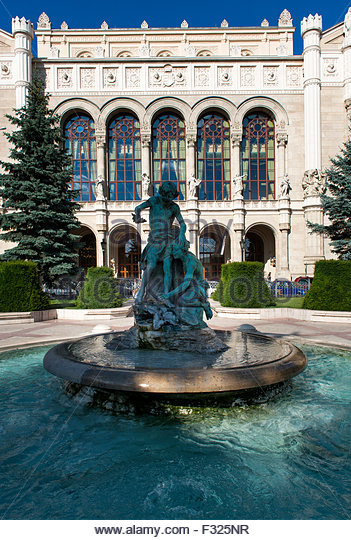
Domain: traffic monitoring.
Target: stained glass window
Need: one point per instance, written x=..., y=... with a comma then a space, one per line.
x=213, y=158
x=124, y=158
x=168, y=152
x=80, y=143
x=257, y=151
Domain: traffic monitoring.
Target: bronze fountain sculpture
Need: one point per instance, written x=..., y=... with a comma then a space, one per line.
x=170, y=351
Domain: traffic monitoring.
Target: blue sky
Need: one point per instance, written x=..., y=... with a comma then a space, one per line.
x=90, y=14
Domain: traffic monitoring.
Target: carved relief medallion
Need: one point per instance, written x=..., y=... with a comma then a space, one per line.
x=110, y=77
x=247, y=76
x=270, y=75
x=133, y=77
x=224, y=76
x=87, y=77
x=202, y=76
x=64, y=78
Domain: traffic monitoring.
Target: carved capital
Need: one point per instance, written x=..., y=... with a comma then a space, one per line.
x=100, y=139
x=191, y=140
x=282, y=139
x=236, y=139
x=145, y=140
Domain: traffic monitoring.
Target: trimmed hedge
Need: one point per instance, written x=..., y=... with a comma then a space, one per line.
x=19, y=287
x=242, y=285
x=331, y=287
x=99, y=290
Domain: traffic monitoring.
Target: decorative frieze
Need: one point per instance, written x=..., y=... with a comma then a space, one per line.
x=5, y=70
x=133, y=77
x=110, y=77
x=166, y=77
x=330, y=67
x=247, y=76
x=54, y=52
x=87, y=78
x=64, y=78
x=99, y=52
x=202, y=76
x=270, y=76
x=225, y=76
x=293, y=76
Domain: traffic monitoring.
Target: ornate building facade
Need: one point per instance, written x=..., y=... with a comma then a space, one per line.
x=243, y=127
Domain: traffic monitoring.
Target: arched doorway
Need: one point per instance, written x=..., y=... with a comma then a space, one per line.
x=87, y=252
x=214, y=250
x=260, y=247
x=125, y=250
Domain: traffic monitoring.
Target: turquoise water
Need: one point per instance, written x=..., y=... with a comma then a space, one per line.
x=62, y=458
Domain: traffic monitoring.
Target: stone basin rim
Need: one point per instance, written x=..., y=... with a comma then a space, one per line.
x=60, y=362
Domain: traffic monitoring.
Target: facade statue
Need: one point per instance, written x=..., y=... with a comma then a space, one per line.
x=314, y=183
x=238, y=186
x=285, y=186
x=99, y=187
x=193, y=184
x=113, y=266
x=146, y=185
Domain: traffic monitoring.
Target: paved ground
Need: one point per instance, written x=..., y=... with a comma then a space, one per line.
x=14, y=336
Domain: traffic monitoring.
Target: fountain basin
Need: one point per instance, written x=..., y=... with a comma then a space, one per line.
x=252, y=361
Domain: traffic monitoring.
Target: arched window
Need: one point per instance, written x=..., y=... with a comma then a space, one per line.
x=258, y=157
x=204, y=53
x=80, y=143
x=214, y=250
x=164, y=54
x=168, y=152
x=213, y=158
x=124, y=158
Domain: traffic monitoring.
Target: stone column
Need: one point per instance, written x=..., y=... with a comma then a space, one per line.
x=191, y=219
x=145, y=157
x=311, y=29
x=190, y=157
x=22, y=31
x=238, y=228
x=282, y=139
x=101, y=213
x=314, y=243
x=236, y=254
x=235, y=155
x=284, y=227
x=347, y=69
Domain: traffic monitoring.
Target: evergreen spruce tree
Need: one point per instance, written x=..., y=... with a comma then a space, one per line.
x=337, y=205
x=38, y=206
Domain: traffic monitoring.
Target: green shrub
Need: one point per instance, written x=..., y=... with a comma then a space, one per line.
x=99, y=290
x=218, y=293
x=331, y=287
x=243, y=286
x=19, y=287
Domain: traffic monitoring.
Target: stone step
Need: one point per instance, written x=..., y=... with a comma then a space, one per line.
x=23, y=317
